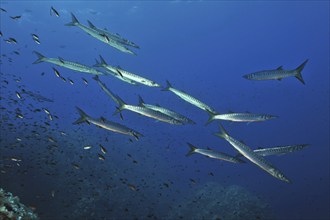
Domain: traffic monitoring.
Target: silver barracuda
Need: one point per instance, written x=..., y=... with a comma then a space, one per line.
x=188, y=98
x=240, y=117
x=126, y=75
x=280, y=150
x=96, y=34
x=108, y=125
x=277, y=74
x=116, y=37
x=213, y=154
x=67, y=64
x=106, y=90
x=255, y=158
x=147, y=112
x=166, y=111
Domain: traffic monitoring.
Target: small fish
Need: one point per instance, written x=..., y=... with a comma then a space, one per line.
x=63, y=79
x=57, y=73
x=37, y=41
x=54, y=11
x=18, y=95
x=15, y=159
x=34, y=36
x=18, y=115
x=50, y=117
x=1, y=34
x=87, y=147
x=76, y=166
x=3, y=10
x=132, y=187
x=46, y=111
x=53, y=193
x=85, y=81
x=15, y=17
x=104, y=151
x=101, y=157
x=51, y=139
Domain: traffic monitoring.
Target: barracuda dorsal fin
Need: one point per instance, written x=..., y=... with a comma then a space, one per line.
x=90, y=24
x=102, y=119
x=141, y=102
x=280, y=68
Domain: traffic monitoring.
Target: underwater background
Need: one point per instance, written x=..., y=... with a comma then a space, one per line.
x=203, y=48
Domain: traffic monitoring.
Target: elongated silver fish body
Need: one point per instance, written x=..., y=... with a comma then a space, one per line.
x=188, y=98
x=248, y=153
x=130, y=76
x=213, y=154
x=277, y=74
x=67, y=64
x=243, y=117
x=170, y=113
x=279, y=150
x=113, y=36
x=152, y=114
x=105, y=124
x=96, y=34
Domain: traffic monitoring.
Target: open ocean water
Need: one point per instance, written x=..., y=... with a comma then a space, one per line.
x=70, y=171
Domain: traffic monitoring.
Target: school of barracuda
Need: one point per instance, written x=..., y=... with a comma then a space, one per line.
x=256, y=156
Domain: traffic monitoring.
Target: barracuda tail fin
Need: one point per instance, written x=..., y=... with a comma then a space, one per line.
x=168, y=86
x=223, y=133
x=121, y=104
x=192, y=149
x=298, y=70
x=83, y=116
x=211, y=117
x=74, y=21
x=90, y=24
x=41, y=58
x=102, y=62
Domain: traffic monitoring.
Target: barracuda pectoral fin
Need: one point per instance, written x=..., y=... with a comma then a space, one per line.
x=119, y=73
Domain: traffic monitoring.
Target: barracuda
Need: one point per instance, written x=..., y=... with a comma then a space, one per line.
x=67, y=64
x=249, y=154
x=120, y=73
x=137, y=109
x=213, y=154
x=277, y=74
x=240, y=117
x=280, y=150
x=108, y=125
x=115, y=37
x=166, y=111
x=188, y=98
x=96, y=34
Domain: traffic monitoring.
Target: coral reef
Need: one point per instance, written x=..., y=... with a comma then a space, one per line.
x=12, y=209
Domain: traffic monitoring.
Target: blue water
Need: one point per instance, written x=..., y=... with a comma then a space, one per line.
x=202, y=48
